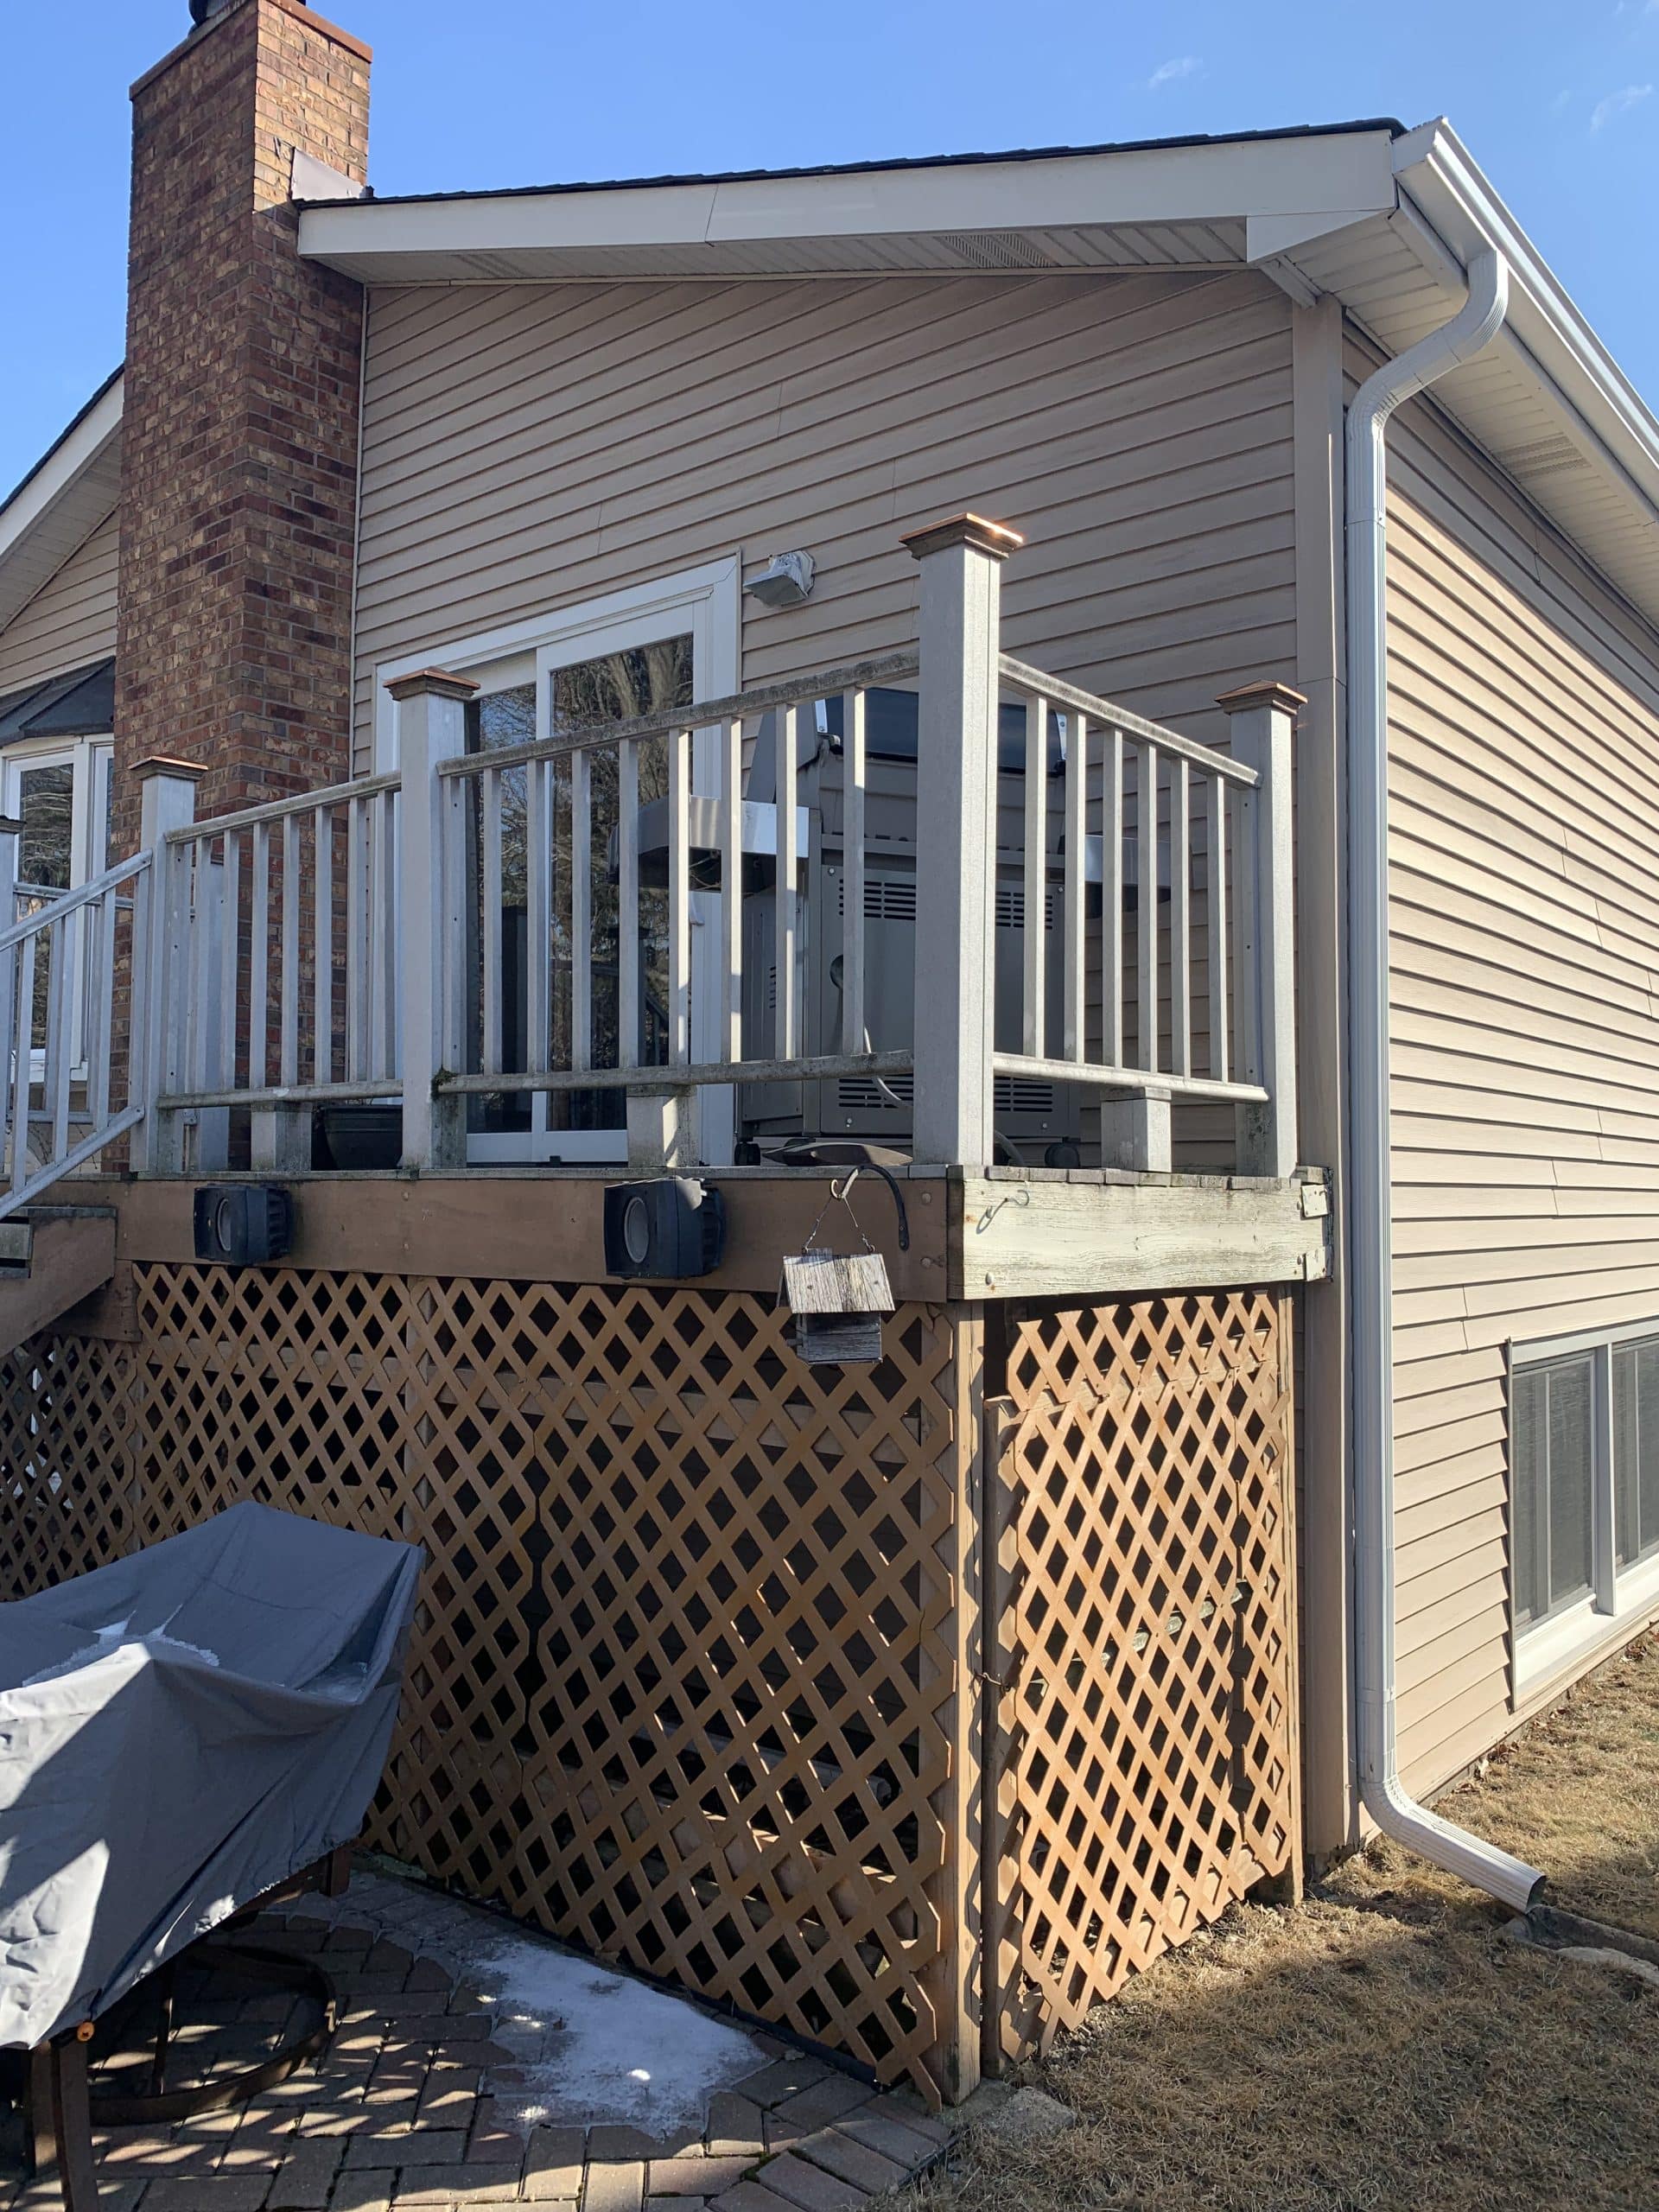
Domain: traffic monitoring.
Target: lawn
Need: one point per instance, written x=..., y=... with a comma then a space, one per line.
x=1386, y=2045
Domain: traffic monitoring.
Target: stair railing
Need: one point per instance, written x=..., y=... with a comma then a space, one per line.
x=58, y=971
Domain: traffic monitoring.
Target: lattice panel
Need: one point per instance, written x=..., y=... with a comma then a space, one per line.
x=68, y=1472
x=684, y=1687
x=1143, y=1610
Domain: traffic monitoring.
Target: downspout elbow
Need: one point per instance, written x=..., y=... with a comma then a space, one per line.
x=1382, y=1791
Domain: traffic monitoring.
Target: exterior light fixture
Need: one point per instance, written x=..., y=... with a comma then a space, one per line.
x=785, y=582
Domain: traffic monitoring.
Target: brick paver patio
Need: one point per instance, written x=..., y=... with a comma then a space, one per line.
x=421, y=2103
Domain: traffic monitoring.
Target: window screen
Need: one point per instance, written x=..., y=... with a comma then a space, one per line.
x=1552, y=1453
x=1636, y=1451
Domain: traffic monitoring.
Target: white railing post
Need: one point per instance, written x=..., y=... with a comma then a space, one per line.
x=1261, y=719
x=431, y=728
x=955, y=835
x=10, y=1044
x=160, y=951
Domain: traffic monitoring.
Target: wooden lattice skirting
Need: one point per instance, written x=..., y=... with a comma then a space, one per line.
x=712, y=1673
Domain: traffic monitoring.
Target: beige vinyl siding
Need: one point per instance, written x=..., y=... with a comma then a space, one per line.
x=526, y=447
x=70, y=620
x=1525, y=880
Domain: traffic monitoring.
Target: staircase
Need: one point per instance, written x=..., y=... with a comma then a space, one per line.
x=51, y=1257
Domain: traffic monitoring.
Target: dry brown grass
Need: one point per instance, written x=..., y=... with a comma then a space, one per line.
x=1386, y=2045
x=1578, y=1794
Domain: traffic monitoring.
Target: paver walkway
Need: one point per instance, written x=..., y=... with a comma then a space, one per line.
x=427, y=2099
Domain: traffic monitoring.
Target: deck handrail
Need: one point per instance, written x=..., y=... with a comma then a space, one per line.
x=1031, y=683
x=697, y=714
x=279, y=809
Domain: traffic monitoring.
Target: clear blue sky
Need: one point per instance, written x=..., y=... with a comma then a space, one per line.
x=1559, y=102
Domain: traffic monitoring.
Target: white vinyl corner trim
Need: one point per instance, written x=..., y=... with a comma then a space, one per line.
x=1385, y=1797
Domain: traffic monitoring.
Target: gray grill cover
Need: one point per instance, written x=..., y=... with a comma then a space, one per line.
x=179, y=1732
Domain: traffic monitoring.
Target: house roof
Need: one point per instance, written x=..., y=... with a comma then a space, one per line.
x=70, y=490
x=1383, y=219
x=80, y=704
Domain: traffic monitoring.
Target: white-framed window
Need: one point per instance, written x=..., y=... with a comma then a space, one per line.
x=59, y=789
x=1584, y=1493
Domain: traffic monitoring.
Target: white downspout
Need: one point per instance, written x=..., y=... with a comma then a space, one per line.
x=1385, y=1798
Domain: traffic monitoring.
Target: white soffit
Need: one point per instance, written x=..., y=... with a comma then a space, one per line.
x=62, y=500
x=1151, y=206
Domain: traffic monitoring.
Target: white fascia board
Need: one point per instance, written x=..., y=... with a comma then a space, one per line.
x=1337, y=178
x=1440, y=179
x=60, y=471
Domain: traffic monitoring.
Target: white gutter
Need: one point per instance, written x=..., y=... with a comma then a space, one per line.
x=1385, y=1797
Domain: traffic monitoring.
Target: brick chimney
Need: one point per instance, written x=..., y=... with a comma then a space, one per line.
x=240, y=416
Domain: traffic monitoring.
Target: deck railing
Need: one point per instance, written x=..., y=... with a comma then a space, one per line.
x=349, y=944
x=277, y=979
x=64, y=1095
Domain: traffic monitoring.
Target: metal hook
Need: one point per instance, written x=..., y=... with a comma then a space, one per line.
x=1021, y=1198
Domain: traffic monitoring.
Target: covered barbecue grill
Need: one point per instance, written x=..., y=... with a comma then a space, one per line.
x=182, y=1733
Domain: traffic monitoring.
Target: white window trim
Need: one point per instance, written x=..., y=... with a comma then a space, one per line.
x=1546, y=1649
x=90, y=760
x=708, y=601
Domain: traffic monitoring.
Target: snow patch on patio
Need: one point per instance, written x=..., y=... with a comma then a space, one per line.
x=610, y=2044
x=588, y=2044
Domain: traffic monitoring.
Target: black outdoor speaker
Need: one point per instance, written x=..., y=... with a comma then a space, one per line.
x=670, y=1228
x=239, y=1224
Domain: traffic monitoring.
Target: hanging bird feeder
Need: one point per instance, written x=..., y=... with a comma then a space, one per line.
x=838, y=1298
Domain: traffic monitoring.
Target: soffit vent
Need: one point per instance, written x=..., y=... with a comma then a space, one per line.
x=493, y=264
x=998, y=249
x=1547, y=457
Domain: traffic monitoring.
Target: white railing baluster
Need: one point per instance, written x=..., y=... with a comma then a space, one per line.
x=54, y=1096
x=377, y=899
x=102, y=1012
x=177, y=899
x=1034, y=934
x=1215, y=934
x=783, y=932
x=390, y=802
x=289, y=1061
x=1180, y=921
x=539, y=914
x=1146, y=932
x=322, y=971
x=259, y=956
x=22, y=1080
x=229, y=953
x=1074, y=1026
x=627, y=904
x=730, y=1026
x=1112, y=888
x=490, y=841
x=581, y=912
x=453, y=956
x=204, y=930
x=11, y=1029
x=357, y=947
x=679, y=898
x=853, y=877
